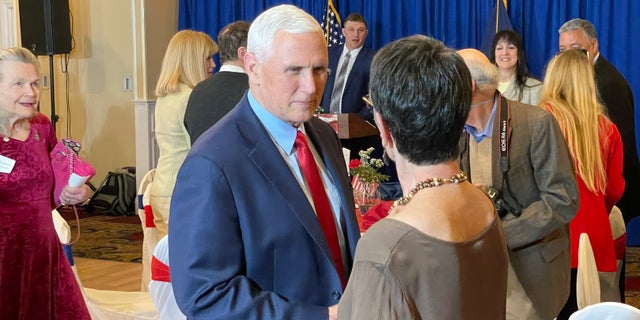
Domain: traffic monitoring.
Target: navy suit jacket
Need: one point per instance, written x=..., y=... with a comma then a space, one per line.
x=357, y=84
x=244, y=240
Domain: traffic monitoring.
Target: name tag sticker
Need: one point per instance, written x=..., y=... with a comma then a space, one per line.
x=6, y=164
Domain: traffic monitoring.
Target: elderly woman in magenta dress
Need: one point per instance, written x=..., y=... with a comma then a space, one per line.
x=36, y=280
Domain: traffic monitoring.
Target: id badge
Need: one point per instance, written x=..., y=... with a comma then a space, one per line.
x=6, y=164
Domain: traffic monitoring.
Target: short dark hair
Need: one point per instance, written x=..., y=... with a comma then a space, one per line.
x=232, y=37
x=422, y=89
x=355, y=17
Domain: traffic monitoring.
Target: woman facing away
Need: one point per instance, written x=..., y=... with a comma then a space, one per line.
x=441, y=252
x=187, y=61
x=516, y=83
x=569, y=93
x=36, y=280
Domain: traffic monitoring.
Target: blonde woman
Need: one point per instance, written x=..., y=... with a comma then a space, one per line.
x=569, y=93
x=187, y=61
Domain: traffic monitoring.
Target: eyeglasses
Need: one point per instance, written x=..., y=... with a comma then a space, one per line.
x=583, y=50
x=369, y=103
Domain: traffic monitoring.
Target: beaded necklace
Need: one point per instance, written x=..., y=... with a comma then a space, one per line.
x=429, y=183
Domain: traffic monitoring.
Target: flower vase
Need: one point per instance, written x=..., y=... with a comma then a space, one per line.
x=366, y=196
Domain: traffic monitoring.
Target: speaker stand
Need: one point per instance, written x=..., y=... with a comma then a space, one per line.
x=54, y=116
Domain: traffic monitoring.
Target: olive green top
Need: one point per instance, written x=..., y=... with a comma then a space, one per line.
x=402, y=273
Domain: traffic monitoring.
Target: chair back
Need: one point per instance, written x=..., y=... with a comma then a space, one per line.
x=607, y=311
x=588, y=281
x=160, y=287
x=610, y=281
x=150, y=239
x=618, y=229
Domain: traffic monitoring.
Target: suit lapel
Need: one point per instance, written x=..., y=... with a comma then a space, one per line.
x=267, y=158
x=334, y=162
x=330, y=159
x=334, y=59
x=357, y=65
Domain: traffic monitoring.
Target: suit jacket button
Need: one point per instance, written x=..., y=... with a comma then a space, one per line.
x=336, y=295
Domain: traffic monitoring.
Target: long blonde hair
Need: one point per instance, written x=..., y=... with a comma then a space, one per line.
x=569, y=93
x=184, y=60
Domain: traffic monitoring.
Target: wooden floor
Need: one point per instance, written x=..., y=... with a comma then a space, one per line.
x=109, y=275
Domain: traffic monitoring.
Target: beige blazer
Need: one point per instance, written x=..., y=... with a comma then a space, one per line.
x=542, y=179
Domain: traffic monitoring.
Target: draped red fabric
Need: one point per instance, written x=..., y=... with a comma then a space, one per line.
x=159, y=271
x=148, y=217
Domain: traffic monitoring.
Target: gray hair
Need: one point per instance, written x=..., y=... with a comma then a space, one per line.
x=580, y=24
x=484, y=74
x=15, y=54
x=18, y=54
x=287, y=18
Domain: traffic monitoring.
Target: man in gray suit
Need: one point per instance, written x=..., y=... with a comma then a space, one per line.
x=517, y=154
x=213, y=98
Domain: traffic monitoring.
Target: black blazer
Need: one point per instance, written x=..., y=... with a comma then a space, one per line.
x=616, y=95
x=211, y=99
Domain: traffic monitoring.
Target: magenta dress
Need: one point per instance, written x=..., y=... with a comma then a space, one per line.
x=36, y=280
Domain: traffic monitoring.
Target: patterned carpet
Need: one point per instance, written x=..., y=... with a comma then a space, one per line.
x=632, y=288
x=106, y=237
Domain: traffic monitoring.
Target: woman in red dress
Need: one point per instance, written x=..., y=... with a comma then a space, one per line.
x=569, y=93
x=36, y=280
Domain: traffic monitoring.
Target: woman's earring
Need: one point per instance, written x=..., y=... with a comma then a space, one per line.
x=385, y=157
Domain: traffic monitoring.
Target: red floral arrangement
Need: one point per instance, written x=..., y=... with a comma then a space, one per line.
x=366, y=168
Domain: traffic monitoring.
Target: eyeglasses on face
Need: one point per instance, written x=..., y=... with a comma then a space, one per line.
x=583, y=50
x=369, y=103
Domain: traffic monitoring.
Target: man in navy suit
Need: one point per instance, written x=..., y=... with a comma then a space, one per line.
x=343, y=93
x=248, y=239
x=348, y=97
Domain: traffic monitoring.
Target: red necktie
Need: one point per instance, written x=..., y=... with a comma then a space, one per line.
x=320, y=200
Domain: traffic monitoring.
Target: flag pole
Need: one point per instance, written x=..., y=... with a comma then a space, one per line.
x=497, y=13
x=326, y=21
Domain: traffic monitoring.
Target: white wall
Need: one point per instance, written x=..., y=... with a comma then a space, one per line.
x=113, y=40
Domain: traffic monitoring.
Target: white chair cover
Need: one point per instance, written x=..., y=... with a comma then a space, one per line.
x=616, y=220
x=108, y=304
x=161, y=291
x=145, y=213
x=607, y=311
x=610, y=281
x=62, y=227
x=588, y=282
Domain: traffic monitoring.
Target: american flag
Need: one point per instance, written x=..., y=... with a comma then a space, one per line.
x=332, y=25
x=356, y=184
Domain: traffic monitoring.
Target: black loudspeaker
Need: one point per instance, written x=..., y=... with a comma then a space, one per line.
x=45, y=26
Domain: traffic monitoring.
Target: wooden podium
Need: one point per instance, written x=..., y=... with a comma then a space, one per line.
x=349, y=125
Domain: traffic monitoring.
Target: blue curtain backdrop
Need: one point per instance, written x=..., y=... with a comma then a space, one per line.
x=459, y=24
